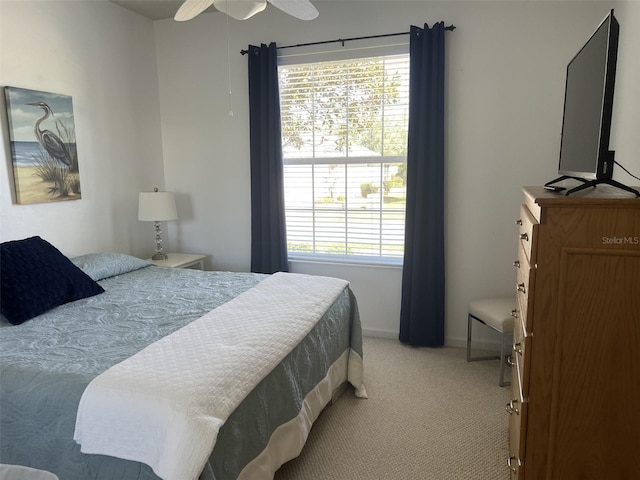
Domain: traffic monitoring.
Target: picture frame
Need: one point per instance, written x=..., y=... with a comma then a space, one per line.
x=43, y=146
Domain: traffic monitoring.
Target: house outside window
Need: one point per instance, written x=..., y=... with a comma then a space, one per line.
x=344, y=137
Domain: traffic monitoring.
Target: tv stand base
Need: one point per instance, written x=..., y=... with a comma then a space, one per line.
x=592, y=183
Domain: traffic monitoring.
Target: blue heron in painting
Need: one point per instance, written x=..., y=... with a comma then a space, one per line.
x=52, y=144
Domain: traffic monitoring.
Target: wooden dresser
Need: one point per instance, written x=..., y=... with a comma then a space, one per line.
x=575, y=408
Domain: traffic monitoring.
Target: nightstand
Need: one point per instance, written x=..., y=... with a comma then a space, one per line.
x=181, y=260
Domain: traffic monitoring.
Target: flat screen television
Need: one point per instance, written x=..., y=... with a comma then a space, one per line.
x=588, y=107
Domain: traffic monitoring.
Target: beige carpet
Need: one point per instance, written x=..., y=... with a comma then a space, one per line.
x=430, y=415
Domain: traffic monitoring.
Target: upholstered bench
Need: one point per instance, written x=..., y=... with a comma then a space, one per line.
x=497, y=314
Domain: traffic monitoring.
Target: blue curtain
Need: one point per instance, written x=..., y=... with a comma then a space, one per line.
x=268, y=228
x=422, y=305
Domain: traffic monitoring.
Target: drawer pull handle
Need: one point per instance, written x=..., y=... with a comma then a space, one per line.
x=510, y=361
x=516, y=263
x=521, y=288
x=517, y=347
x=519, y=222
x=524, y=236
x=511, y=465
x=514, y=313
x=512, y=407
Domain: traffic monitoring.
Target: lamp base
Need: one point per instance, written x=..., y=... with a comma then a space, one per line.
x=159, y=256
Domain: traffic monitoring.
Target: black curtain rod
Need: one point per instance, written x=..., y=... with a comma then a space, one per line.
x=342, y=40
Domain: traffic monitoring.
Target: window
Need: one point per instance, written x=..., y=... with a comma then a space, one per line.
x=344, y=140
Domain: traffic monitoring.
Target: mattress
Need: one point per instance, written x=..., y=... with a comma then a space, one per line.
x=48, y=362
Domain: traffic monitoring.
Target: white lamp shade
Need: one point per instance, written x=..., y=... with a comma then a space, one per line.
x=157, y=206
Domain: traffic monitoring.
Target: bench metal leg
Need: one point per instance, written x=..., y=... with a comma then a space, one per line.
x=469, y=326
x=503, y=349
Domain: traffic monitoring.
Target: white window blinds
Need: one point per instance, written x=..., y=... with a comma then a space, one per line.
x=344, y=137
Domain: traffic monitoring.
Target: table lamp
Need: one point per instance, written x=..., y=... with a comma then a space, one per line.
x=157, y=207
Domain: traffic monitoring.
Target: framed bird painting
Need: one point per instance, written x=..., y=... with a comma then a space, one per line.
x=43, y=146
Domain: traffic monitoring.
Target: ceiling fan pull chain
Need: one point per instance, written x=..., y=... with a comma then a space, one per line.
x=229, y=71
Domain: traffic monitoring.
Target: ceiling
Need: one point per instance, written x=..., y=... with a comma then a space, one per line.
x=154, y=9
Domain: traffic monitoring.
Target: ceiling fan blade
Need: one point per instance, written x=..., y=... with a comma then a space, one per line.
x=302, y=9
x=240, y=9
x=191, y=8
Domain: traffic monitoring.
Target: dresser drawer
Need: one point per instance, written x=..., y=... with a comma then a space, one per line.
x=520, y=357
x=527, y=234
x=517, y=409
x=525, y=282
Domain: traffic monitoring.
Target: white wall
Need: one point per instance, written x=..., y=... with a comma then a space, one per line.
x=104, y=58
x=625, y=137
x=506, y=67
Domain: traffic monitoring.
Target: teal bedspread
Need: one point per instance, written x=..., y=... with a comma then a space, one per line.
x=47, y=362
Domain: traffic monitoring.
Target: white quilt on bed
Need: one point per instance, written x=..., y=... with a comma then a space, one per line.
x=165, y=405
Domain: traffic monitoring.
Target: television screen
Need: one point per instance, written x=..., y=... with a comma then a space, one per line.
x=588, y=106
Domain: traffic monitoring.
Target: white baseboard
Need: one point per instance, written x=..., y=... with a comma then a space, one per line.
x=482, y=345
x=376, y=333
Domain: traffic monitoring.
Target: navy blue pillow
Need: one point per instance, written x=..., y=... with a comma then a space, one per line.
x=35, y=277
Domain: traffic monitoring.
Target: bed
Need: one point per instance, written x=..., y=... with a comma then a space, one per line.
x=82, y=373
